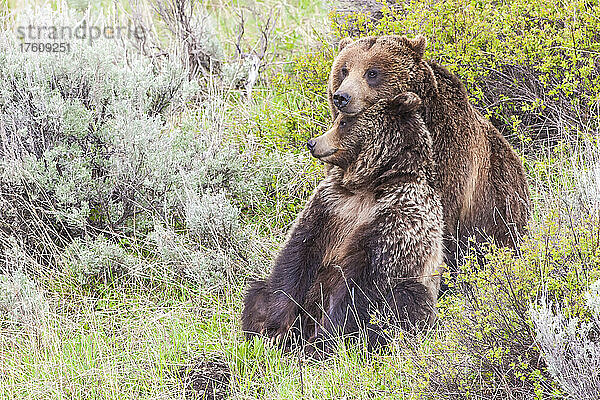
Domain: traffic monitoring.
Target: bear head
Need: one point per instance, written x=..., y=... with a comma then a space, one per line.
x=387, y=136
x=375, y=68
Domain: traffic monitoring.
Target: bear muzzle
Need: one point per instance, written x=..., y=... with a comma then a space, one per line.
x=319, y=148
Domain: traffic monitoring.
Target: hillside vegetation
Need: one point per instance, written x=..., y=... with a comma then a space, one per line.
x=144, y=180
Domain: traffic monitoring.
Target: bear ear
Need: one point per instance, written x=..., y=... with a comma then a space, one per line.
x=344, y=42
x=404, y=103
x=417, y=44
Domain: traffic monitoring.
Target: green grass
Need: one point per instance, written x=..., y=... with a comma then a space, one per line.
x=122, y=345
x=132, y=343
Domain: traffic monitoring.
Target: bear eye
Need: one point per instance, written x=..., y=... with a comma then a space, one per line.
x=344, y=72
x=342, y=123
x=372, y=73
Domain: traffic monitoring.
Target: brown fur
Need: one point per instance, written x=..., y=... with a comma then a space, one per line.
x=370, y=237
x=480, y=178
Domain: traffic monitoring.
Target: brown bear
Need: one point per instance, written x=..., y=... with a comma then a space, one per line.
x=369, y=239
x=479, y=176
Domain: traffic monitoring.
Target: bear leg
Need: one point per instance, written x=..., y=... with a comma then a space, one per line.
x=347, y=316
x=410, y=303
x=256, y=306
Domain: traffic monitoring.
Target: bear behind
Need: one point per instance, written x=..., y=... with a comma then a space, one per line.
x=480, y=178
x=369, y=239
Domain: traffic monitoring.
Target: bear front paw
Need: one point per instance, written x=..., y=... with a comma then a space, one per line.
x=319, y=347
x=276, y=330
x=279, y=328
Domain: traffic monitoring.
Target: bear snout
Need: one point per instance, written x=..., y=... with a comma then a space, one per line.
x=321, y=147
x=341, y=100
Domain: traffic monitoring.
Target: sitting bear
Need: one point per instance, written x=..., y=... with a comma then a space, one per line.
x=369, y=239
x=480, y=178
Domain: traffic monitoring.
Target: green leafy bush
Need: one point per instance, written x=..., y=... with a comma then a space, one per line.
x=302, y=90
x=531, y=66
x=489, y=319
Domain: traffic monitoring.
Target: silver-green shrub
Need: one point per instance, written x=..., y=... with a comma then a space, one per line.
x=593, y=301
x=177, y=256
x=106, y=141
x=211, y=218
x=96, y=261
x=81, y=132
x=21, y=301
x=571, y=347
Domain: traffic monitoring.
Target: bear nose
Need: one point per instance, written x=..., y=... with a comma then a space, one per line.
x=311, y=144
x=341, y=100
